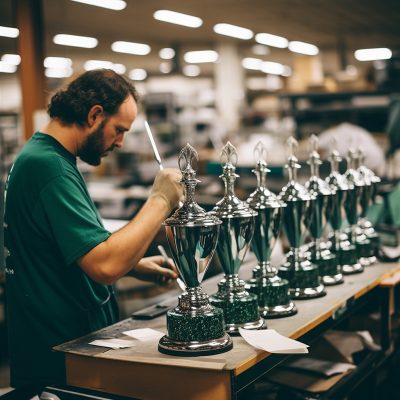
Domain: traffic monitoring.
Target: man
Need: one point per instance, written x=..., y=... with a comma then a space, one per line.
x=60, y=260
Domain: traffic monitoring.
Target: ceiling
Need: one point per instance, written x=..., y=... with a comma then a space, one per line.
x=350, y=23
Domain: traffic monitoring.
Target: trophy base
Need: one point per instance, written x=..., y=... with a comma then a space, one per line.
x=239, y=307
x=348, y=260
x=329, y=270
x=331, y=280
x=233, y=329
x=304, y=281
x=273, y=296
x=173, y=347
x=280, y=311
x=350, y=269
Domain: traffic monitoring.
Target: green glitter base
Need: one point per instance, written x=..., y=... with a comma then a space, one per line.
x=194, y=326
x=306, y=277
x=327, y=265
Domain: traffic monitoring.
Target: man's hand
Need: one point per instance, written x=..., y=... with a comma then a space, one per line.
x=155, y=269
x=168, y=187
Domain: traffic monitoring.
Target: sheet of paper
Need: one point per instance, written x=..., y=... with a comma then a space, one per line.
x=144, y=334
x=113, y=343
x=273, y=342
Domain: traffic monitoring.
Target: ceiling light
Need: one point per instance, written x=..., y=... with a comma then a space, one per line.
x=100, y=64
x=7, y=68
x=233, y=31
x=287, y=71
x=272, y=40
x=191, y=70
x=13, y=59
x=111, y=4
x=274, y=68
x=57, y=62
x=260, y=49
x=167, y=53
x=6, y=31
x=201, y=56
x=138, y=74
x=178, y=18
x=252, y=63
x=139, y=49
x=303, y=48
x=381, y=53
x=58, y=72
x=165, y=67
x=75, y=41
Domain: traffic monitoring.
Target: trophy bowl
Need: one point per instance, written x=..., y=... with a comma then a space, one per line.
x=194, y=327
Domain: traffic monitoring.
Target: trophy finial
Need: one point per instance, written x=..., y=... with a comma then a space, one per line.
x=314, y=161
x=261, y=170
x=260, y=152
x=292, y=144
x=188, y=159
x=229, y=155
x=292, y=164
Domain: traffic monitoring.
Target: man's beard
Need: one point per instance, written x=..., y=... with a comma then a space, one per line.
x=92, y=148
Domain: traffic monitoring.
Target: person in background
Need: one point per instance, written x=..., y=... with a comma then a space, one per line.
x=60, y=260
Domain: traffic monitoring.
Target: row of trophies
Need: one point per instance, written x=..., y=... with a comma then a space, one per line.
x=200, y=324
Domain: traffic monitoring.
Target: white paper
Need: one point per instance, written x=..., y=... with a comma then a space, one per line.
x=145, y=334
x=273, y=342
x=113, y=343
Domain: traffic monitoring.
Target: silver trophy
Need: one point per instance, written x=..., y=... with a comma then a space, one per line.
x=303, y=275
x=194, y=327
x=345, y=251
x=272, y=291
x=240, y=307
x=326, y=260
x=353, y=210
x=368, y=195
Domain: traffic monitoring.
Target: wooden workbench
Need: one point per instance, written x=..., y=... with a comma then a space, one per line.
x=142, y=372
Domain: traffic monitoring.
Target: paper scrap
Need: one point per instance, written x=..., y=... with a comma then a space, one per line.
x=273, y=342
x=113, y=343
x=145, y=334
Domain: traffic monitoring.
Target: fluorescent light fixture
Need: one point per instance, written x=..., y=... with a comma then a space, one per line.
x=166, y=53
x=119, y=68
x=252, y=63
x=380, y=53
x=165, y=67
x=260, y=50
x=111, y=4
x=6, y=31
x=7, y=68
x=57, y=62
x=200, y=56
x=303, y=48
x=178, y=18
x=274, y=68
x=272, y=40
x=233, y=31
x=13, y=59
x=191, y=70
x=58, y=72
x=75, y=41
x=138, y=74
x=99, y=64
x=139, y=49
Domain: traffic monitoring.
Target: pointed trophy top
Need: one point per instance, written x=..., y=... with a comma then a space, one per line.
x=292, y=144
x=261, y=169
x=229, y=155
x=260, y=152
x=188, y=159
x=314, y=159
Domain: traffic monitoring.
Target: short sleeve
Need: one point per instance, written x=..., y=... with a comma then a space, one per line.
x=72, y=217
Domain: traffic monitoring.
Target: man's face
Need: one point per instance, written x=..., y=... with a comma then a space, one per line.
x=109, y=133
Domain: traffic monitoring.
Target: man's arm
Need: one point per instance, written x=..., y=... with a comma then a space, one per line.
x=122, y=251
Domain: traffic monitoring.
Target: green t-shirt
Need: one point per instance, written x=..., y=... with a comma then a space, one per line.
x=50, y=221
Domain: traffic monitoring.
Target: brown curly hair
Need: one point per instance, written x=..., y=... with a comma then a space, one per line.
x=101, y=86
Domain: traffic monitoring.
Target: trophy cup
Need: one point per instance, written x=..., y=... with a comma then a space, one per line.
x=346, y=252
x=320, y=254
x=303, y=276
x=272, y=291
x=365, y=226
x=352, y=207
x=240, y=307
x=194, y=327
